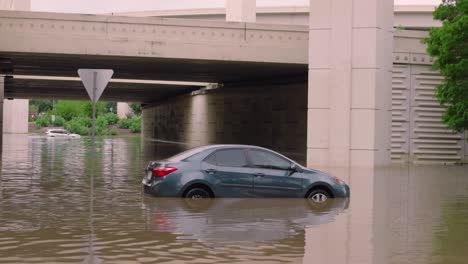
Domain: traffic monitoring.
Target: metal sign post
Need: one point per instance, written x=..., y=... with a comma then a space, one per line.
x=95, y=81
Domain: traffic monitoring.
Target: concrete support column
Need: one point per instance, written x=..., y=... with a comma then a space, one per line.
x=350, y=63
x=15, y=116
x=2, y=94
x=20, y=5
x=14, y=113
x=122, y=109
x=241, y=10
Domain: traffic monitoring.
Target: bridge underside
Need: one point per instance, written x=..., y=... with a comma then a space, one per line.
x=129, y=67
x=27, y=88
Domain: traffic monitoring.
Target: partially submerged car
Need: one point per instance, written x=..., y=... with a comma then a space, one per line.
x=237, y=171
x=61, y=133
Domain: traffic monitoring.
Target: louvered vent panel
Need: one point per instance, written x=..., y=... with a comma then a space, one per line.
x=400, y=113
x=431, y=141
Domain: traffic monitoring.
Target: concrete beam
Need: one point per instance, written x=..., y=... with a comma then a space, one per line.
x=197, y=43
x=72, y=89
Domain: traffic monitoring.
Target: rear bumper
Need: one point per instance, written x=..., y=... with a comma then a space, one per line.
x=159, y=189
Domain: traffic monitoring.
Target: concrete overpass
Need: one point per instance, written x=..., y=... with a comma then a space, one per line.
x=408, y=16
x=150, y=48
x=342, y=116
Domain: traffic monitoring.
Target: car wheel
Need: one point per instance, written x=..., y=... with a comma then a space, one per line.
x=319, y=196
x=197, y=193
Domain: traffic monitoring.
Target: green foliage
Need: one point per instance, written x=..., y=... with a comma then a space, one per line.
x=135, y=127
x=125, y=123
x=43, y=121
x=449, y=44
x=59, y=121
x=80, y=125
x=68, y=109
x=111, y=118
x=40, y=106
x=111, y=107
x=101, y=126
x=33, y=109
x=113, y=132
x=136, y=108
x=87, y=109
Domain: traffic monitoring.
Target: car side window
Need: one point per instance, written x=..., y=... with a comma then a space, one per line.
x=211, y=159
x=267, y=160
x=228, y=158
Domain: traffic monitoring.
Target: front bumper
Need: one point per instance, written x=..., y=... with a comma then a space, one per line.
x=341, y=191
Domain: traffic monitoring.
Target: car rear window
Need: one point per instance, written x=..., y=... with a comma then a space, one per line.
x=186, y=154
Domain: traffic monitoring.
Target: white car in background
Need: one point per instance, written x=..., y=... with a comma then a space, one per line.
x=61, y=133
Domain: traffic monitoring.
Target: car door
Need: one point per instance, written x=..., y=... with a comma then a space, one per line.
x=272, y=175
x=228, y=171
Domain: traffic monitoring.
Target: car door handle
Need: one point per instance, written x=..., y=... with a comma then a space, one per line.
x=211, y=171
x=259, y=174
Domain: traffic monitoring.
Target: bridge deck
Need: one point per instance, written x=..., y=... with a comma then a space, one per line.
x=151, y=48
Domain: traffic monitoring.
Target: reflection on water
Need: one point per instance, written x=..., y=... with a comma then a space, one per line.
x=396, y=215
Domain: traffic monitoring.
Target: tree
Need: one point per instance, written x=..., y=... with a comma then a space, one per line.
x=68, y=109
x=40, y=106
x=449, y=45
x=136, y=108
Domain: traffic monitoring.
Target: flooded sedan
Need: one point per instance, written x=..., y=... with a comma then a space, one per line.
x=237, y=171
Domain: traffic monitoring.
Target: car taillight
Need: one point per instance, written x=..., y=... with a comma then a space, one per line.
x=163, y=172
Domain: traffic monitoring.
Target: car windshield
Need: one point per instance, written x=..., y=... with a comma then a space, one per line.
x=186, y=154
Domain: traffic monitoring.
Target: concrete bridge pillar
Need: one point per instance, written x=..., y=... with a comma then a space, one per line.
x=20, y=5
x=14, y=113
x=241, y=10
x=123, y=109
x=2, y=93
x=350, y=63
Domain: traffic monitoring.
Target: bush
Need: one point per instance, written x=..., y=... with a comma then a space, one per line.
x=77, y=128
x=87, y=109
x=136, y=108
x=125, y=123
x=43, y=121
x=111, y=118
x=113, y=132
x=135, y=127
x=59, y=121
x=101, y=125
x=80, y=125
x=69, y=109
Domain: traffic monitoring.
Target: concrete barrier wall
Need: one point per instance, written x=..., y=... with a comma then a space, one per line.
x=272, y=116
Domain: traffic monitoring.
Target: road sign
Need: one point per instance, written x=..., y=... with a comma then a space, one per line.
x=95, y=81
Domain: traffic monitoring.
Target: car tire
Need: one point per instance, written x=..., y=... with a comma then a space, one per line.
x=319, y=196
x=197, y=193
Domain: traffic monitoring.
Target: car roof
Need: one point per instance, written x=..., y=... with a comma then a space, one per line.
x=220, y=146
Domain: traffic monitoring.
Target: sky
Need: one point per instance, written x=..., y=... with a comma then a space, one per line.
x=107, y=6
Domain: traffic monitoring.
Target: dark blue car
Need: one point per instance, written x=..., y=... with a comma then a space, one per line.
x=238, y=171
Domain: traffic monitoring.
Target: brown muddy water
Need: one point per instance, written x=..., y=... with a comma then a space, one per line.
x=395, y=215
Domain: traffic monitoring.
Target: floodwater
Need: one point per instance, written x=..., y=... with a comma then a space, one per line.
x=395, y=215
